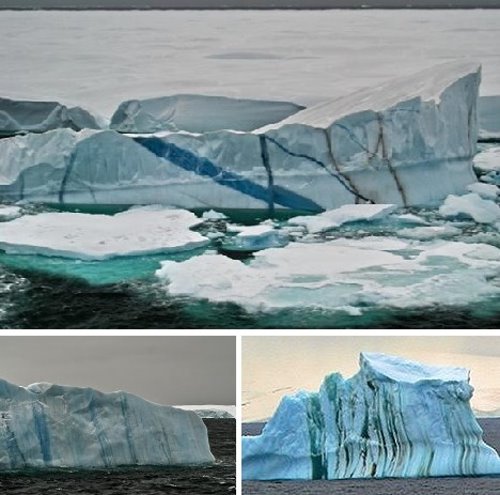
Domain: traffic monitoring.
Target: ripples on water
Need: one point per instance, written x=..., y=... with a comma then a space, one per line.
x=217, y=479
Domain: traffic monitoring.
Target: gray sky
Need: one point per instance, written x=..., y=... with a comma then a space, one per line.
x=168, y=370
x=243, y=3
x=277, y=366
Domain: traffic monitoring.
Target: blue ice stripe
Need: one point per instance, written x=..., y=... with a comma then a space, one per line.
x=206, y=168
x=42, y=431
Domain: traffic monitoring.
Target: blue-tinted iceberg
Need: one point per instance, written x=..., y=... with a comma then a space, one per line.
x=407, y=142
x=394, y=418
x=47, y=426
x=19, y=116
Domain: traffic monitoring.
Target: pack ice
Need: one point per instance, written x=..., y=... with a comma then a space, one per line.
x=48, y=426
x=394, y=418
x=19, y=116
x=406, y=142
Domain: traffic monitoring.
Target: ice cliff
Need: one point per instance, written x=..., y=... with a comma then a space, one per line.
x=19, y=116
x=47, y=426
x=407, y=142
x=394, y=418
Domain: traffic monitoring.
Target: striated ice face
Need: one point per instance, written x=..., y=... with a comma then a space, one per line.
x=47, y=426
x=395, y=418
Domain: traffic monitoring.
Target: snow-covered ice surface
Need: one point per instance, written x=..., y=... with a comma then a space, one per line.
x=394, y=418
x=47, y=426
x=138, y=231
x=212, y=411
x=305, y=57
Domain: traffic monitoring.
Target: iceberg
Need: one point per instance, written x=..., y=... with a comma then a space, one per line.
x=394, y=418
x=18, y=116
x=489, y=118
x=407, y=142
x=198, y=113
x=212, y=411
x=50, y=426
x=140, y=230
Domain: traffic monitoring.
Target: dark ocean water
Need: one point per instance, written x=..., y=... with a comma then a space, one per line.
x=217, y=479
x=481, y=485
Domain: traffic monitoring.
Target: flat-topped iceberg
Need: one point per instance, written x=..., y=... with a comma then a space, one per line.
x=408, y=142
x=489, y=118
x=49, y=426
x=141, y=230
x=394, y=418
x=19, y=116
x=198, y=113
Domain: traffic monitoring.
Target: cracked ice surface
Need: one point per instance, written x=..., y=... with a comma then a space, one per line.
x=141, y=230
x=343, y=274
x=394, y=418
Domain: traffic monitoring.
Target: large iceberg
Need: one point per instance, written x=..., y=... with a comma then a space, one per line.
x=48, y=426
x=19, y=116
x=407, y=142
x=198, y=113
x=394, y=418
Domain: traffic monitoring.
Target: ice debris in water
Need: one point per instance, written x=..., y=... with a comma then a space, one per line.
x=472, y=206
x=394, y=418
x=486, y=191
x=9, y=212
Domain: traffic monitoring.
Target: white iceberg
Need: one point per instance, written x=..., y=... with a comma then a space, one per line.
x=141, y=230
x=489, y=118
x=394, y=418
x=47, y=426
x=471, y=205
x=407, y=142
x=333, y=275
x=340, y=216
x=18, y=116
x=198, y=113
x=212, y=411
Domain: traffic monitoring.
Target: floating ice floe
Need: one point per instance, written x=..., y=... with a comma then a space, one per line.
x=430, y=232
x=339, y=216
x=142, y=230
x=198, y=113
x=255, y=237
x=18, y=116
x=343, y=273
x=486, y=191
x=394, y=418
x=9, y=212
x=49, y=426
x=472, y=206
x=213, y=215
x=489, y=118
x=406, y=142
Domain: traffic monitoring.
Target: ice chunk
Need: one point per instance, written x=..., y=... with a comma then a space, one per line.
x=49, y=426
x=9, y=212
x=489, y=118
x=341, y=273
x=255, y=237
x=394, y=418
x=339, y=216
x=488, y=160
x=471, y=205
x=198, y=113
x=431, y=232
x=486, y=191
x=146, y=230
x=213, y=215
x=18, y=116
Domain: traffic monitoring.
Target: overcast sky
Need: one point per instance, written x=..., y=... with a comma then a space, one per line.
x=166, y=370
x=276, y=366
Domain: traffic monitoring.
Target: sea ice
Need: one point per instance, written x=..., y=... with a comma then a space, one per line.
x=486, y=191
x=489, y=118
x=255, y=237
x=372, y=271
x=339, y=216
x=471, y=205
x=198, y=113
x=18, y=117
x=141, y=230
x=394, y=418
x=9, y=212
x=430, y=232
x=52, y=426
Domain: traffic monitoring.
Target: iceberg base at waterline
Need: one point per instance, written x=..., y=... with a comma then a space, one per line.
x=394, y=418
x=52, y=426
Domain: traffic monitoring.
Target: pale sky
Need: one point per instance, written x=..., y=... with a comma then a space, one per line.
x=277, y=366
x=167, y=370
